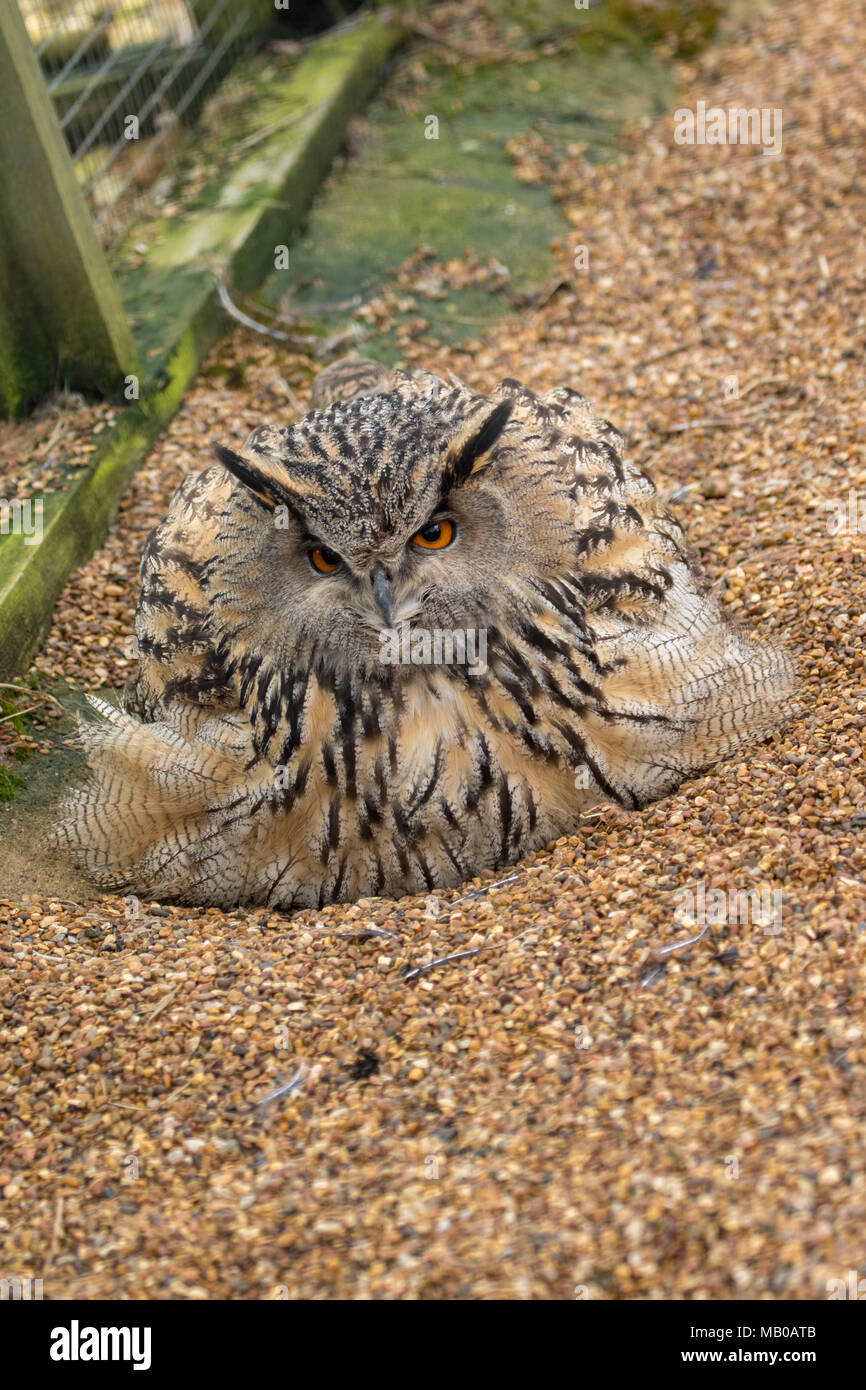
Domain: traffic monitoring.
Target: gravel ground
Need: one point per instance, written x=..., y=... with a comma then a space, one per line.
x=573, y=1109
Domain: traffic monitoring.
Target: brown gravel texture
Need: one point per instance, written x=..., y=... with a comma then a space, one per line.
x=568, y=1109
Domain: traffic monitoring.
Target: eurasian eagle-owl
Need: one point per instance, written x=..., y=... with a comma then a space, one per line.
x=407, y=639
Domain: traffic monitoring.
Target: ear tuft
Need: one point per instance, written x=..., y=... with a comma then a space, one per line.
x=467, y=452
x=264, y=488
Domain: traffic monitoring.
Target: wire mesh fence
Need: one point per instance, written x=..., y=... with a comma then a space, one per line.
x=127, y=79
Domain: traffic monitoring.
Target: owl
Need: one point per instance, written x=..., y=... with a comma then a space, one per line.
x=410, y=638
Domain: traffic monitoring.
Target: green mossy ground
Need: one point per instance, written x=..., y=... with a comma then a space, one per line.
x=33, y=785
x=686, y=26
x=459, y=192
x=25, y=770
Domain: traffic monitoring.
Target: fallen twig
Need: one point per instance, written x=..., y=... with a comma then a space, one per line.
x=462, y=955
x=544, y=297
x=681, y=945
x=654, y=973
x=359, y=932
x=710, y=423
x=658, y=964
x=259, y=135
x=485, y=888
x=164, y=1003
x=765, y=381
x=56, y=1231
x=54, y=438
x=671, y=352
x=444, y=960
x=39, y=695
x=43, y=955
x=19, y=713
x=285, y=1090
x=426, y=31
x=326, y=347
x=25, y=690
x=236, y=313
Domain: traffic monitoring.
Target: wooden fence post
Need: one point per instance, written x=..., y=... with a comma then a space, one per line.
x=61, y=316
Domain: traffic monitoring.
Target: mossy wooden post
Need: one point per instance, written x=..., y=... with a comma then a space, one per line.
x=260, y=15
x=60, y=311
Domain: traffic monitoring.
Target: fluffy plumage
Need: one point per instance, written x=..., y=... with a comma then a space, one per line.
x=268, y=753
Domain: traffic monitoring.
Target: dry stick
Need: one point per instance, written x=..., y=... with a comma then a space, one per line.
x=426, y=31
x=654, y=973
x=308, y=343
x=462, y=955
x=172, y=1095
x=164, y=1003
x=712, y=423
x=545, y=295
x=263, y=134
x=659, y=965
x=19, y=713
x=285, y=1090
x=56, y=1232
x=292, y=399
x=766, y=381
x=56, y=435
x=236, y=313
x=671, y=352
x=485, y=888
x=358, y=932
x=150, y=1109
x=326, y=346
x=24, y=690
x=681, y=945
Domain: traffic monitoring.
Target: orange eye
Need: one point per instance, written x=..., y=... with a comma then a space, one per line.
x=435, y=535
x=324, y=560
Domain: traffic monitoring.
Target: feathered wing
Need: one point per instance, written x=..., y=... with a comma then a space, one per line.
x=682, y=686
x=156, y=796
x=176, y=649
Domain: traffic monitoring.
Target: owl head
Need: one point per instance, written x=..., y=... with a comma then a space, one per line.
x=422, y=506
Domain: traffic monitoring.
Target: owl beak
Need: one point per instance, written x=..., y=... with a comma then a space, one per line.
x=382, y=594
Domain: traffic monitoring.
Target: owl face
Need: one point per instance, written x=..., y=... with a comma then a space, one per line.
x=379, y=513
